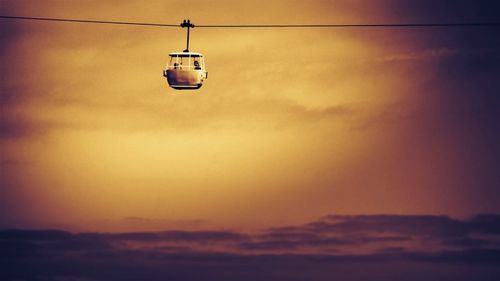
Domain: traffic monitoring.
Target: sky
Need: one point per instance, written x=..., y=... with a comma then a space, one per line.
x=293, y=128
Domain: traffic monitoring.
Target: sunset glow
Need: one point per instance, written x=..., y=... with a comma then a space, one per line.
x=297, y=128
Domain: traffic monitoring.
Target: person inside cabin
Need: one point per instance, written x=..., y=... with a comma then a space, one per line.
x=176, y=65
x=196, y=65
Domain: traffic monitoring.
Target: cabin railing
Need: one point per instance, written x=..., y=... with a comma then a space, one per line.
x=185, y=67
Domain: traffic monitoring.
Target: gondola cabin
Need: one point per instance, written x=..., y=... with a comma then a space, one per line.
x=185, y=71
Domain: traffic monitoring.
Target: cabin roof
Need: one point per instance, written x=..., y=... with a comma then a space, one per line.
x=185, y=54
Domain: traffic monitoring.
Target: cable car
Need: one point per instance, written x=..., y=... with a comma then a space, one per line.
x=185, y=70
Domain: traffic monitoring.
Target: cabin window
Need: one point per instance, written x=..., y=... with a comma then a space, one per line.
x=186, y=62
x=174, y=62
x=196, y=62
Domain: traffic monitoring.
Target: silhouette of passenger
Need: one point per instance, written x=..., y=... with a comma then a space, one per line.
x=196, y=65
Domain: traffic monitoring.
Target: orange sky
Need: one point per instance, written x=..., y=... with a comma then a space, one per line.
x=291, y=124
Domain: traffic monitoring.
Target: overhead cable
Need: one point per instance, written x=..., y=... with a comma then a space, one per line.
x=374, y=25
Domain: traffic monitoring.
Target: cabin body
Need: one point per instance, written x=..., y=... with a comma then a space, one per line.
x=185, y=70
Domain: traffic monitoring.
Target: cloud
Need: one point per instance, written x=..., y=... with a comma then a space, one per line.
x=197, y=236
x=403, y=224
x=369, y=233
x=431, y=226
x=146, y=117
x=35, y=235
x=44, y=243
x=284, y=253
x=334, y=233
x=84, y=83
x=19, y=126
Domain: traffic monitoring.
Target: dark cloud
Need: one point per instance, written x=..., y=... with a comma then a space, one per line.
x=275, y=254
x=358, y=232
x=413, y=225
x=289, y=241
x=45, y=243
x=467, y=242
x=35, y=235
x=197, y=236
x=486, y=223
x=429, y=225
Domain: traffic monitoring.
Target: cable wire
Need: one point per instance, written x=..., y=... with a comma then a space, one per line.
x=471, y=24
x=382, y=25
x=91, y=21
